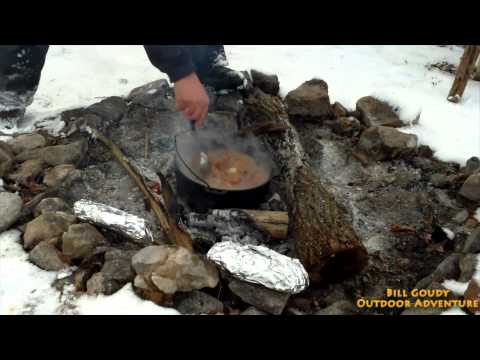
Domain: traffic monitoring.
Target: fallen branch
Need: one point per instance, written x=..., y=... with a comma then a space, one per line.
x=464, y=72
x=167, y=221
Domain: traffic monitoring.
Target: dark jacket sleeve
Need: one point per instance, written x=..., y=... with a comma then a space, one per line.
x=174, y=60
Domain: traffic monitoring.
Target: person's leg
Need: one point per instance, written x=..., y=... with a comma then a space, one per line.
x=211, y=64
x=20, y=70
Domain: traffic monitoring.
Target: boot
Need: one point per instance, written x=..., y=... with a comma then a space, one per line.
x=223, y=78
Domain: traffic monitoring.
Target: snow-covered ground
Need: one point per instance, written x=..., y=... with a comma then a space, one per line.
x=76, y=76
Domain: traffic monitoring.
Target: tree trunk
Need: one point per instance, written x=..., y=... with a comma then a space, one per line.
x=325, y=241
x=464, y=72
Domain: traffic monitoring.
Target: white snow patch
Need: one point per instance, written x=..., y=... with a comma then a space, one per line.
x=456, y=287
x=477, y=215
x=152, y=91
x=26, y=289
x=450, y=234
x=453, y=311
x=123, y=302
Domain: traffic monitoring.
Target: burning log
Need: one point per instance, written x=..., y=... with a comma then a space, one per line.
x=166, y=218
x=325, y=241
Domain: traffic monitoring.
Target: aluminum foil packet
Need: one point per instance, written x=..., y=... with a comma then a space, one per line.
x=260, y=265
x=117, y=220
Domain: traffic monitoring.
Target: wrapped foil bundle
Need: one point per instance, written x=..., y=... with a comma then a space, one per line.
x=260, y=265
x=114, y=219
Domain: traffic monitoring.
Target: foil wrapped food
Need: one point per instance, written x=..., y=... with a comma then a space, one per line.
x=260, y=265
x=114, y=219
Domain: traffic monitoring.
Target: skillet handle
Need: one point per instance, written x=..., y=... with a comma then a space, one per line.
x=215, y=191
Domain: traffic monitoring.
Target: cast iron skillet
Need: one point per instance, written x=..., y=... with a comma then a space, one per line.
x=198, y=194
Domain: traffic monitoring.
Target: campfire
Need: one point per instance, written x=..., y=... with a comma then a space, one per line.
x=300, y=206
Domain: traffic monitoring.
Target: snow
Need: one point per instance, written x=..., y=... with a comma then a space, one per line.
x=453, y=311
x=76, y=76
x=450, y=234
x=26, y=289
x=477, y=215
x=457, y=288
x=123, y=302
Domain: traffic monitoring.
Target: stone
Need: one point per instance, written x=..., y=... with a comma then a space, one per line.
x=47, y=226
x=310, y=99
x=449, y=268
x=461, y=216
x=172, y=269
x=472, y=166
x=472, y=244
x=468, y=266
x=198, y=303
x=110, y=109
x=57, y=155
x=231, y=102
x=26, y=142
x=153, y=95
x=269, y=84
x=342, y=307
x=27, y=171
x=382, y=143
x=273, y=302
x=51, y=205
x=419, y=311
x=252, y=310
x=10, y=209
x=338, y=110
x=55, y=175
x=440, y=180
x=47, y=257
x=347, y=126
x=80, y=240
x=471, y=188
x=97, y=285
x=375, y=112
x=118, y=266
x=7, y=159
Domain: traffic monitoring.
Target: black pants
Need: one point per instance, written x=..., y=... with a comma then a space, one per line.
x=21, y=65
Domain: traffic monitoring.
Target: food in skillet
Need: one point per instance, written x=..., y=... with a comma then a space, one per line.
x=230, y=170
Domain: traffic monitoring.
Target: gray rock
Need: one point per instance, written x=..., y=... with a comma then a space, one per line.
x=47, y=257
x=26, y=142
x=175, y=270
x=110, y=109
x=231, y=102
x=153, y=95
x=198, y=303
x=468, y=266
x=382, y=143
x=472, y=166
x=375, y=112
x=310, y=99
x=51, y=205
x=471, y=188
x=47, y=226
x=440, y=180
x=97, y=285
x=6, y=159
x=262, y=298
x=80, y=240
x=269, y=84
x=449, y=268
x=339, y=110
x=416, y=311
x=10, y=208
x=342, y=307
x=461, y=217
x=27, y=171
x=472, y=244
x=55, y=175
x=346, y=126
x=57, y=155
x=252, y=310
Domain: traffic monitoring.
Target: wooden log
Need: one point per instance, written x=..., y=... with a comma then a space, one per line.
x=464, y=72
x=325, y=241
x=275, y=223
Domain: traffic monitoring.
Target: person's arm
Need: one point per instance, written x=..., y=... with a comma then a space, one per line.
x=176, y=61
